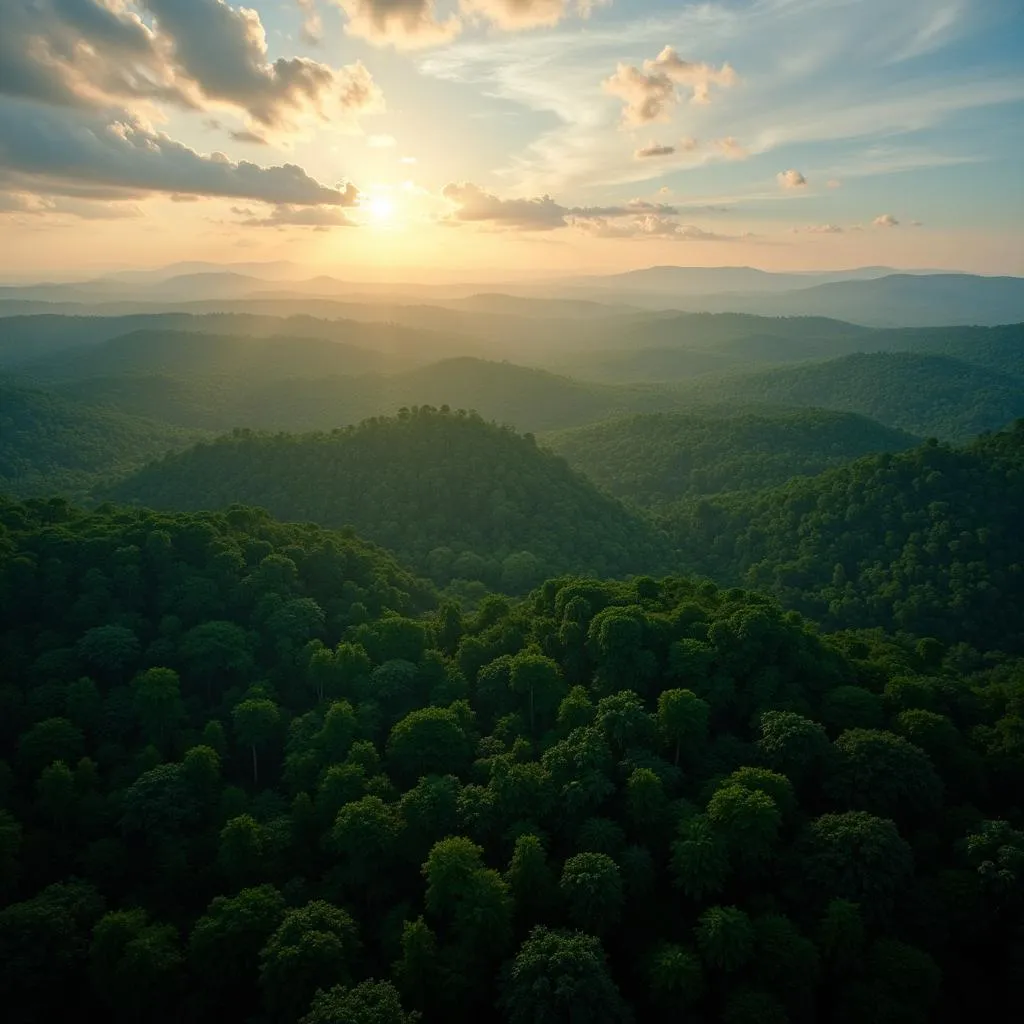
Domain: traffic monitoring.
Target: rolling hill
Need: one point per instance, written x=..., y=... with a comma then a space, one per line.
x=457, y=497
x=51, y=444
x=663, y=458
x=927, y=395
x=927, y=541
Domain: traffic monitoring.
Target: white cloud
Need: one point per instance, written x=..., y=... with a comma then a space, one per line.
x=791, y=179
x=819, y=229
x=885, y=220
x=404, y=24
x=650, y=94
x=312, y=23
x=381, y=141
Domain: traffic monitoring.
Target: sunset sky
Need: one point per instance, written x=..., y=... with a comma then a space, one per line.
x=371, y=138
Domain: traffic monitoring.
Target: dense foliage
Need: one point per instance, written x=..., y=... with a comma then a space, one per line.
x=51, y=444
x=249, y=773
x=927, y=395
x=654, y=459
x=459, y=498
x=928, y=541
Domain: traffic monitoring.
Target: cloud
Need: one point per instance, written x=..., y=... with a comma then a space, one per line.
x=474, y=205
x=654, y=149
x=247, y=136
x=650, y=94
x=285, y=215
x=312, y=23
x=649, y=226
x=62, y=148
x=512, y=15
x=404, y=24
x=791, y=179
x=730, y=148
x=381, y=141
x=818, y=229
x=33, y=204
x=97, y=54
x=885, y=220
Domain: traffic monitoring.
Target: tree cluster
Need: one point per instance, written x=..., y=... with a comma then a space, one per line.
x=254, y=771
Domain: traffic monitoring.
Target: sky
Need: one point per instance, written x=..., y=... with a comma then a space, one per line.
x=431, y=139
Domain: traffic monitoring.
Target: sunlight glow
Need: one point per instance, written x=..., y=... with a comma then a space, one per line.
x=381, y=209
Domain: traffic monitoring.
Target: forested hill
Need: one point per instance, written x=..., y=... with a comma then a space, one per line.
x=929, y=541
x=458, y=497
x=52, y=444
x=250, y=775
x=927, y=395
x=654, y=459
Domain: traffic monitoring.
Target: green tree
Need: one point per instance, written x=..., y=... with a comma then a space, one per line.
x=370, y=1002
x=561, y=978
x=748, y=820
x=792, y=744
x=683, y=720
x=135, y=965
x=256, y=721
x=883, y=773
x=540, y=681
x=675, y=977
x=725, y=938
x=857, y=857
x=157, y=704
x=700, y=858
x=429, y=741
x=592, y=887
x=225, y=942
x=313, y=948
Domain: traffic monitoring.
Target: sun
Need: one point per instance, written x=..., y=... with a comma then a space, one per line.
x=381, y=208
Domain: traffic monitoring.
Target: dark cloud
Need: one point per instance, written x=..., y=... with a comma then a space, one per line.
x=96, y=151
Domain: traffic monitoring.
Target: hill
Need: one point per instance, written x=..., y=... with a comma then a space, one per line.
x=927, y=395
x=457, y=497
x=50, y=444
x=654, y=459
x=927, y=540
x=251, y=774
x=262, y=397
x=897, y=300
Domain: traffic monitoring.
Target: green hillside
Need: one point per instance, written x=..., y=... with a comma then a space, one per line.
x=654, y=459
x=250, y=774
x=290, y=397
x=927, y=395
x=929, y=541
x=50, y=444
x=458, y=497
